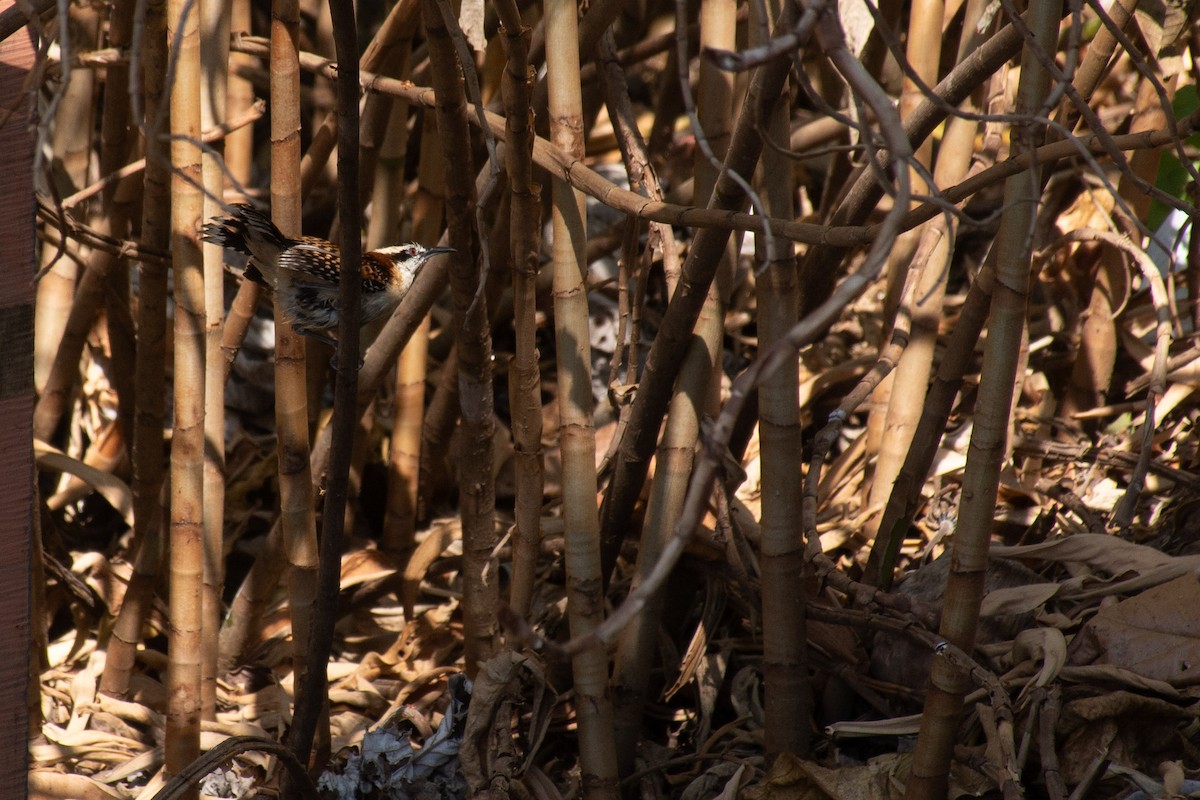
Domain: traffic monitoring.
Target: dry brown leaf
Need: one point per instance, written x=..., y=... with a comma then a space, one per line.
x=1156, y=634
x=1109, y=555
x=363, y=566
x=429, y=550
x=1017, y=599
x=347, y=729
x=1108, y=675
x=1134, y=730
x=46, y=784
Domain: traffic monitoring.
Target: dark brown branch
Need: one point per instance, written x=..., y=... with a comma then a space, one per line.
x=311, y=692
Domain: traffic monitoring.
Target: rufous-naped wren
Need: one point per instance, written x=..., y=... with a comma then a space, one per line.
x=303, y=273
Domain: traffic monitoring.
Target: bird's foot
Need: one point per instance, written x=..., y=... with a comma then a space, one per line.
x=313, y=334
x=333, y=364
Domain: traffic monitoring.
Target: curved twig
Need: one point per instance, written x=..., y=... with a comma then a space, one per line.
x=229, y=748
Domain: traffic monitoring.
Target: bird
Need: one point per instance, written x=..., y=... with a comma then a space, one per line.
x=303, y=273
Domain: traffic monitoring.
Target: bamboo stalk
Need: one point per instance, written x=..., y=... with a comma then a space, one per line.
x=964, y=590
x=72, y=144
x=477, y=491
x=214, y=55
x=696, y=391
x=182, y=744
x=404, y=446
x=242, y=629
x=54, y=403
x=117, y=145
x=577, y=435
x=907, y=385
x=785, y=575
x=525, y=387
x=297, y=512
x=408, y=444
x=819, y=269
x=239, y=143
x=924, y=26
x=150, y=372
x=674, y=337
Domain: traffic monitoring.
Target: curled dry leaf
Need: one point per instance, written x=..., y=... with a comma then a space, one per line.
x=110, y=487
x=506, y=687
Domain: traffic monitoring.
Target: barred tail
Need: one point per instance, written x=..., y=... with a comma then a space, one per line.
x=247, y=230
x=250, y=232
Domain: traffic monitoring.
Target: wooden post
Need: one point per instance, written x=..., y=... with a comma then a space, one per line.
x=16, y=406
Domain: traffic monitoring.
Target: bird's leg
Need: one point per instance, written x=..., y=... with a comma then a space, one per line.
x=315, y=335
x=333, y=362
x=320, y=337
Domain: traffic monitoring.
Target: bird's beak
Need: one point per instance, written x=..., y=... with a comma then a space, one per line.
x=435, y=251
